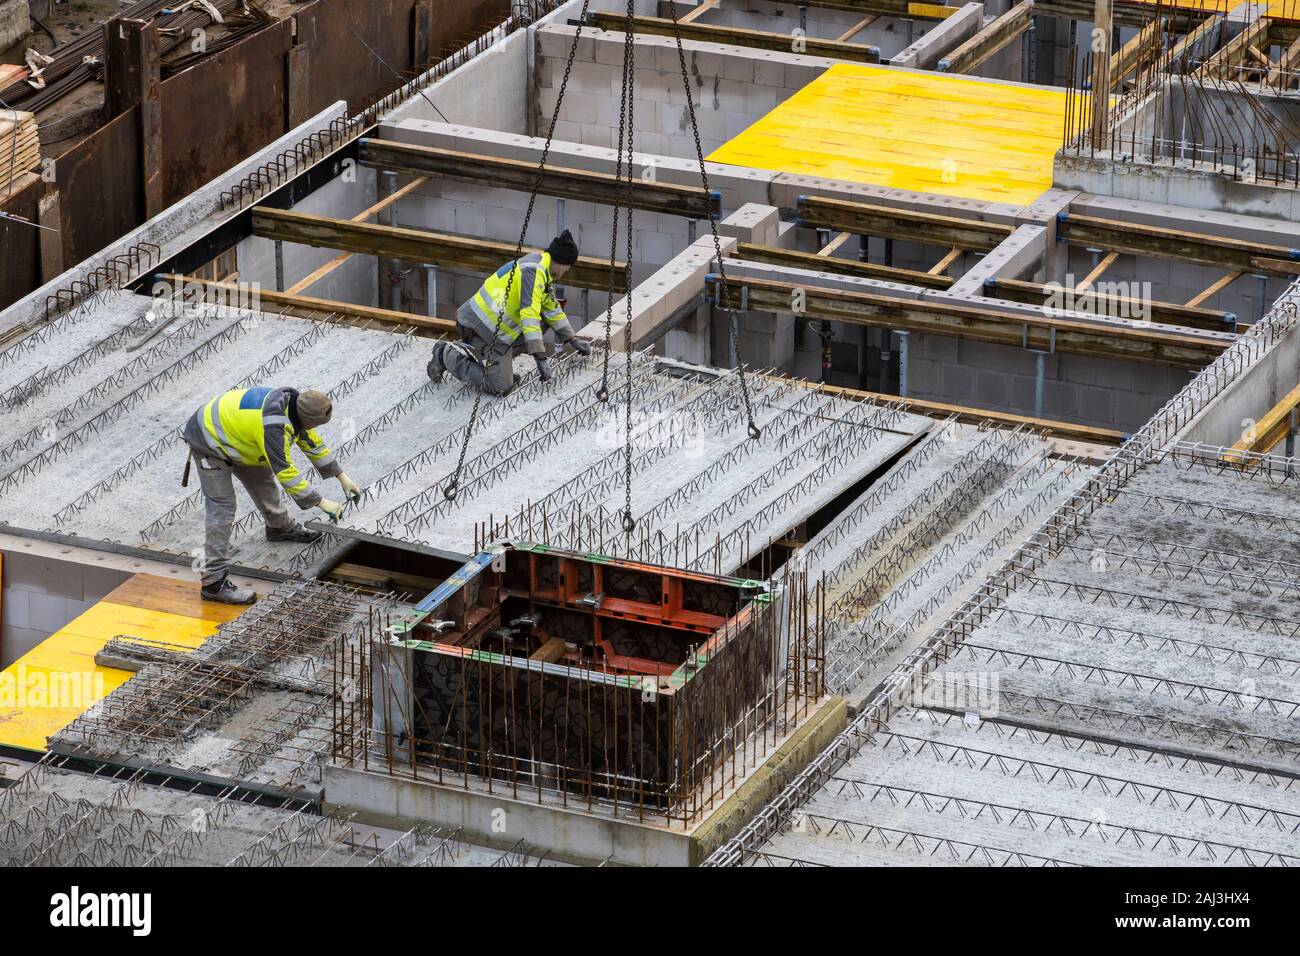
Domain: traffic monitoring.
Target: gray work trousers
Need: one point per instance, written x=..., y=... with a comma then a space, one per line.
x=216, y=478
x=495, y=381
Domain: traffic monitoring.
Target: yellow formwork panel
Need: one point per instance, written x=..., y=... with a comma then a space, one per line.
x=929, y=132
x=58, y=680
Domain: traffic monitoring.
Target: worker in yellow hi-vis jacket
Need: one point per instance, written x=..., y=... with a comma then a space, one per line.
x=494, y=330
x=249, y=433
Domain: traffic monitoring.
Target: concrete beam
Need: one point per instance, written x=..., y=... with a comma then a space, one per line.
x=849, y=267
x=930, y=48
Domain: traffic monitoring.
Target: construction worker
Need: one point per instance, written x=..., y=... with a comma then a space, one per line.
x=248, y=434
x=493, y=331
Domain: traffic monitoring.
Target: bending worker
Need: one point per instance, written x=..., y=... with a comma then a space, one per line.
x=494, y=331
x=248, y=434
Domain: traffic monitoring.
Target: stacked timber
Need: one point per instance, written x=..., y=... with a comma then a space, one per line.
x=20, y=146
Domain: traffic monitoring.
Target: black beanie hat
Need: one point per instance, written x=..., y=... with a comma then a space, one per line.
x=563, y=250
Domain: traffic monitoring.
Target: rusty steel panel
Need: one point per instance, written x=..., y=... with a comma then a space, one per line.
x=101, y=187
x=20, y=247
x=223, y=109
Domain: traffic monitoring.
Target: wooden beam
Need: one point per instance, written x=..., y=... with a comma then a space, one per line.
x=857, y=28
x=1217, y=252
x=479, y=256
x=988, y=41
x=366, y=214
x=704, y=7
x=1166, y=313
x=865, y=219
x=1192, y=39
x=1214, y=288
x=1270, y=430
x=977, y=416
x=1233, y=53
x=1130, y=57
x=306, y=307
x=560, y=181
x=848, y=267
x=1102, y=33
x=1106, y=262
x=904, y=9
x=1286, y=64
x=736, y=36
x=835, y=244
x=1039, y=332
x=941, y=267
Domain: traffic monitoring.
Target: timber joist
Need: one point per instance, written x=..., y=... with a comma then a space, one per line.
x=1037, y=332
x=990, y=39
x=866, y=219
x=735, y=36
x=320, y=310
x=752, y=252
x=1216, y=252
x=479, y=256
x=1166, y=313
x=558, y=181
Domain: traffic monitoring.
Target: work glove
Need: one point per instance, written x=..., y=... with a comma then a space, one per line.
x=351, y=490
x=544, y=368
x=333, y=510
x=581, y=346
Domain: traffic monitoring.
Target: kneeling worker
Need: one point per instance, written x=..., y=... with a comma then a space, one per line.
x=248, y=434
x=492, y=335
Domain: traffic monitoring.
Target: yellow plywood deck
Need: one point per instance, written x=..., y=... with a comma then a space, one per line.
x=929, y=132
x=58, y=680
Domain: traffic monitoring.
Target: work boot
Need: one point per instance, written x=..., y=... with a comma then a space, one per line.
x=224, y=592
x=436, y=365
x=296, y=534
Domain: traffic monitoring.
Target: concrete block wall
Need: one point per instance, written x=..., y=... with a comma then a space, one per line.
x=41, y=595
x=733, y=88
x=1077, y=388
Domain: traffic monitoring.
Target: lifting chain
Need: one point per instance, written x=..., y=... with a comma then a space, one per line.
x=754, y=431
x=453, y=485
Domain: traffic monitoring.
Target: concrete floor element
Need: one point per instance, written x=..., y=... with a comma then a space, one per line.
x=1132, y=702
x=57, y=817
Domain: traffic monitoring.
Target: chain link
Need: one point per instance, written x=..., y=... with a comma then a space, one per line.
x=754, y=431
x=453, y=486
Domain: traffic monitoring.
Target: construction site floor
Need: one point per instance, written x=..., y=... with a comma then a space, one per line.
x=58, y=680
x=931, y=132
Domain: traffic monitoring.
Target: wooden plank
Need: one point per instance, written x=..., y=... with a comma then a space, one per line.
x=479, y=256
x=1105, y=263
x=865, y=219
x=383, y=579
x=1132, y=54
x=1040, y=332
x=976, y=416
x=857, y=28
x=551, y=652
x=1217, y=252
x=1270, y=430
x=307, y=307
x=941, y=267
x=1166, y=313
x=1214, y=288
x=988, y=41
x=560, y=181
x=835, y=244
x=1233, y=53
x=850, y=267
x=736, y=36
x=692, y=15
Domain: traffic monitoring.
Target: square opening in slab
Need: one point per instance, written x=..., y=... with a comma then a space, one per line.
x=592, y=678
